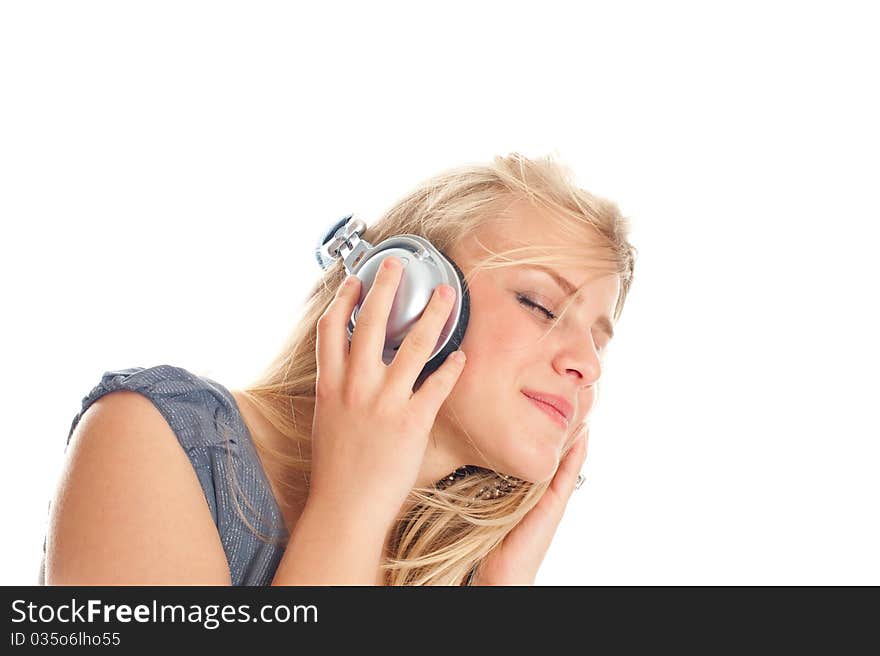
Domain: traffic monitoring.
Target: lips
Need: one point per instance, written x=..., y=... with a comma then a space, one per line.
x=561, y=404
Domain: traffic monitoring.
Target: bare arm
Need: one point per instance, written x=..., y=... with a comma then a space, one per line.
x=129, y=509
x=329, y=546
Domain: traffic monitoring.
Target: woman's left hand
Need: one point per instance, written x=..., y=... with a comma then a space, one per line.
x=517, y=559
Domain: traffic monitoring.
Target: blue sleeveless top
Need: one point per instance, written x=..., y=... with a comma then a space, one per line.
x=209, y=426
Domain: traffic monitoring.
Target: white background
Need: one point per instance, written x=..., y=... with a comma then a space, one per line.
x=166, y=167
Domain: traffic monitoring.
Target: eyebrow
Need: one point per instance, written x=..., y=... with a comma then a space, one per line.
x=604, y=322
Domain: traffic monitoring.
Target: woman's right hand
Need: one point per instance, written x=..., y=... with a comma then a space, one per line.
x=370, y=430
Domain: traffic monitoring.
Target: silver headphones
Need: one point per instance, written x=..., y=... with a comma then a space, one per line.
x=425, y=267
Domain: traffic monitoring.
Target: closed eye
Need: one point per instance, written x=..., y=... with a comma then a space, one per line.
x=525, y=300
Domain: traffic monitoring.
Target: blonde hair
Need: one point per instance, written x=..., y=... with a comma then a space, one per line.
x=446, y=532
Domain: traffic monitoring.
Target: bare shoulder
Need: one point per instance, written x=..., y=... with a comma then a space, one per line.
x=129, y=509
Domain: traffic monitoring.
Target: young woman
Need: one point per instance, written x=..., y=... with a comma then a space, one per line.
x=331, y=468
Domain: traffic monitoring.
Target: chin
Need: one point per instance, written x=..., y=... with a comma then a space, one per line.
x=535, y=463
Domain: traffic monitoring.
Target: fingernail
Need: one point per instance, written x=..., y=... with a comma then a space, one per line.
x=459, y=356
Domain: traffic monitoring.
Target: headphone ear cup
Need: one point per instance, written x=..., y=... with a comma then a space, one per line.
x=458, y=331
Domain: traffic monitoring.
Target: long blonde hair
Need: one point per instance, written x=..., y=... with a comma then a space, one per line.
x=446, y=530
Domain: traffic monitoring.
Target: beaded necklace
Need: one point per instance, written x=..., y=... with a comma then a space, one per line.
x=502, y=487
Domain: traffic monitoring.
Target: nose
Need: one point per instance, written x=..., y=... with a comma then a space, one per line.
x=579, y=358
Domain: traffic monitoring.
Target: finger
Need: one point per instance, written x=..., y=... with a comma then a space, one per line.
x=421, y=340
x=331, y=341
x=580, y=440
x=566, y=474
x=545, y=517
x=433, y=392
x=368, y=340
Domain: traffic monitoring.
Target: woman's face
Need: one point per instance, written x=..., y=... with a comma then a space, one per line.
x=505, y=358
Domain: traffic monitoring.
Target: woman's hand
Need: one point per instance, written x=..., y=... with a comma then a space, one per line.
x=517, y=559
x=370, y=430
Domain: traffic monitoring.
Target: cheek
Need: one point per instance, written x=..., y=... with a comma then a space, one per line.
x=498, y=332
x=486, y=398
x=499, y=342
x=489, y=374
